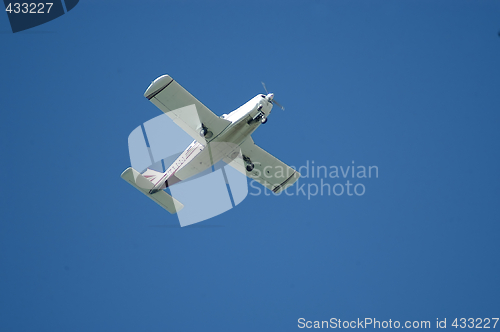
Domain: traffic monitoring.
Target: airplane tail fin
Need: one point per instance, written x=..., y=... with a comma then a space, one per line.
x=142, y=182
x=153, y=176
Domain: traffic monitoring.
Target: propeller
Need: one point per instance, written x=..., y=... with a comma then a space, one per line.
x=271, y=97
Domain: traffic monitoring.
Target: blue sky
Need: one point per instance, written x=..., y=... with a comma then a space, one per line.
x=411, y=87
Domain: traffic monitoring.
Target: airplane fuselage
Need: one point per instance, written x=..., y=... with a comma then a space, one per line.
x=197, y=157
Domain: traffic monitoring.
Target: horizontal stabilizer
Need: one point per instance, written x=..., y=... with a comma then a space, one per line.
x=144, y=185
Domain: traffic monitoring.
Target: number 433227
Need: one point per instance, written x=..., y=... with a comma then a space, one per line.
x=29, y=8
x=478, y=323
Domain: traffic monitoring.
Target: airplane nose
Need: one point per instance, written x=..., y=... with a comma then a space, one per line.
x=270, y=96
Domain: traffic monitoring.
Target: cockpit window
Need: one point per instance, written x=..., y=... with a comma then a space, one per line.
x=263, y=96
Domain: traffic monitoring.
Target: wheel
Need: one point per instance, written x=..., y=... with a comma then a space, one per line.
x=203, y=132
x=264, y=120
x=249, y=167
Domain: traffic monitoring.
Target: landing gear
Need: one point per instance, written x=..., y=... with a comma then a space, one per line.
x=259, y=117
x=249, y=165
x=204, y=132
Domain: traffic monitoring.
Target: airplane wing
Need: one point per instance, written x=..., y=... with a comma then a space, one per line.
x=268, y=170
x=186, y=111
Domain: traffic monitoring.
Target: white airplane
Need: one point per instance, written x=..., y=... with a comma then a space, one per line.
x=216, y=138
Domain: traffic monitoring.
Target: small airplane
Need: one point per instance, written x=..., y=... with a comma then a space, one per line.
x=227, y=138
